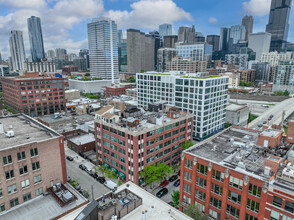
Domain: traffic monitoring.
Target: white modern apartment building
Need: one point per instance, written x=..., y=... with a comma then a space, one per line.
x=259, y=43
x=273, y=58
x=40, y=67
x=205, y=97
x=17, y=50
x=198, y=51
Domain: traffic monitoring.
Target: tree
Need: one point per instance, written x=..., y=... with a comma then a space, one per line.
x=111, y=174
x=175, y=197
x=227, y=124
x=234, y=90
x=71, y=77
x=186, y=145
x=195, y=212
x=278, y=93
x=286, y=93
x=149, y=174
x=87, y=74
x=163, y=171
x=132, y=79
x=102, y=169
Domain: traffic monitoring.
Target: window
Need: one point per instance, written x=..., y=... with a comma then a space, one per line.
x=2, y=207
x=1, y=193
x=234, y=197
x=167, y=143
x=121, y=142
x=25, y=183
x=277, y=201
x=150, y=151
x=158, y=155
x=150, y=133
x=121, y=159
x=11, y=189
x=218, y=175
x=36, y=165
x=159, y=130
x=122, y=151
x=249, y=217
x=214, y=214
x=231, y=210
x=289, y=206
x=105, y=143
x=216, y=189
x=168, y=135
x=9, y=174
x=114, y=155
x=235, y=182
x=7, y=159
x=188, y=164
x=113, y=147
x=252, y=205
x=113, y=139
x=200, y=195
x=188, y=176
x=200, y=182
x=21, y=155
x=39, y=191
x=160, y=138
x=13, y=202
x=105, y=135
x=37, y=179
x=114, y=163
x=187, y=188
x=168, y=127
x=34, y=152
x=23, y=170
x=158, y=147
x=275, y=215
x=166, y=151
x=150, y=142
x=201, y=169
x=150, y=159
x=254, y=190
x=215, y=202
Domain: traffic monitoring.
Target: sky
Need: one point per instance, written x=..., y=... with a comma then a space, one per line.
x=64, y=22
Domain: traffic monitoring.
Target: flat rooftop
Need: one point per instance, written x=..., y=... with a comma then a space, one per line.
x=234, y=107
x=26, y=130
x=270, y=133
x=82, y=139
x=41, y=207
x=235, y=148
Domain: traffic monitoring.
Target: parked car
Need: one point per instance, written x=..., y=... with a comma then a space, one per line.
x=162, y=192
x=171, y=203
x=69, y=158
x=88, y=170
x=95, y=175
x=179, y=173
x=264, y=122
x=82, y=166
x=78, y=187
x=164, y=183
x=173, y=178
x=101, y=179
x=177, y=183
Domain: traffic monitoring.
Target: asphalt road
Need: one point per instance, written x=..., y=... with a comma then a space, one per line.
x=85, y=180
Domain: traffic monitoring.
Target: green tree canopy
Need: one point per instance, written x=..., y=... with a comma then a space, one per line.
x=195, y=212
x=286, y=93
x=175, y=197
x=132, y=79
x=186, y=145
x=153, y=173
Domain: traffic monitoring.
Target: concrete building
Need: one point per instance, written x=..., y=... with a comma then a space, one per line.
x=103, y=48
x=237, y=114
x=36, y=39
x=259, y=43
x=284, y=78
x=214, y=41
x=130, y=144
x=81, y=63
x=186, y=35
x=50, y=55
x=33, y=160
x=198, y=51
x=187, y=65
x=234, y=79
x=206, y=97
x=93, y=86
x=247, y=22
x=72, y=94
x=237, y=33
x=273, y=58
x=237, y=59
x=17, y=50
x=4, y=70
x=170, y=41
x=40, y=67
x=262, y=71
x=164, y=55
x=278, y=24
x=246, y=75
x=60, y=53
x=34, y=95
x=140, y=51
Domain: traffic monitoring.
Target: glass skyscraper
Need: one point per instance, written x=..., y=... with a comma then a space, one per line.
x=278, y=24
x=17, y=50
x=103, y=48
x=36, y=38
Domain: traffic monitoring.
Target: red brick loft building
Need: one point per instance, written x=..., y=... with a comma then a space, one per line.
x=118, y=89
x=240, y=174
x=34, y=95
x=128, y=145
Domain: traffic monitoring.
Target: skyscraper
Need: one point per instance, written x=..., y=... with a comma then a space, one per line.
x=214, y=41
x=170, y=41
x=60, y=53
x=103, y=48
x=259, y=43
x=237, y=32
x=36, y=38
x=224, y=38
x=186, y=34
x=247, y=22
x=51, y=54
x=278, y=24
x=165, y=30
x=155, y=35
x=17, y=50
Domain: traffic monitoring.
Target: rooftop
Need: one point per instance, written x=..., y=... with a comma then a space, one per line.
x=41, y=207
x=82, y=139
x=234, y=107
x=23, y=130
x=235, y=148
x=104, y=109
x=270, y=133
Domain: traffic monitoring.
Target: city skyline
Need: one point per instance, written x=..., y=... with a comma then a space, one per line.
x=65, y=25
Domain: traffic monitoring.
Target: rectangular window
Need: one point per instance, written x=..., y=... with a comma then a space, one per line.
x=105, y=135
x=254, y=190
x=37, y=179
x=150, y=142
x=235, y=182
x=150, y=159
x=160, y=138
x=200, y=195
x=252, y=205
x=166, y=151
x=216, y=189
x=218, y=175
x=214, y=214
x=113, y=147
x=159, y=130
x=150, y=133
x=231, y=210
x=7, y=159
x=105, y=143
x=114, y=163
x=23, y=170
x=21, y=155
x=187, y=188
x=188, y=164
x=234, y=197
x=34, y=152
x=202, y=169
x=13, y=202
x=249, y=217
x=150, y=151
x=158, y=147
x=2, y=207
x=289, y=206
x=36, y=165
x=167, y=143
x=168, y=135
x=215, y=202
x=25, y=183
x=11, y=189
x=188, y=176
x=113, y=139
x=121, y=142
x=168, y=127
x=175, y=132
x=9, y=174
x=1, y=193
x=39, y=191
x=200, y=182
x=122, y=151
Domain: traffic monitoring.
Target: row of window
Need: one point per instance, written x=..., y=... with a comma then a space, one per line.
x=20, y=156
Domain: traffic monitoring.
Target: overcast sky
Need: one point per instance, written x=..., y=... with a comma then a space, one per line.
x=64, y=22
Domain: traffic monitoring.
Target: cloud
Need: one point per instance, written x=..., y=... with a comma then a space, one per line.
x=30, y=4
x=257, y=7
x=212, y=20
x=149, y=14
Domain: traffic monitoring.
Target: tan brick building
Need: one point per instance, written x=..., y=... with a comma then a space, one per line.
x=31, y=160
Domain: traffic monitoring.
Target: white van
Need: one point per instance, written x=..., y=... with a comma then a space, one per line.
x=110, y=185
